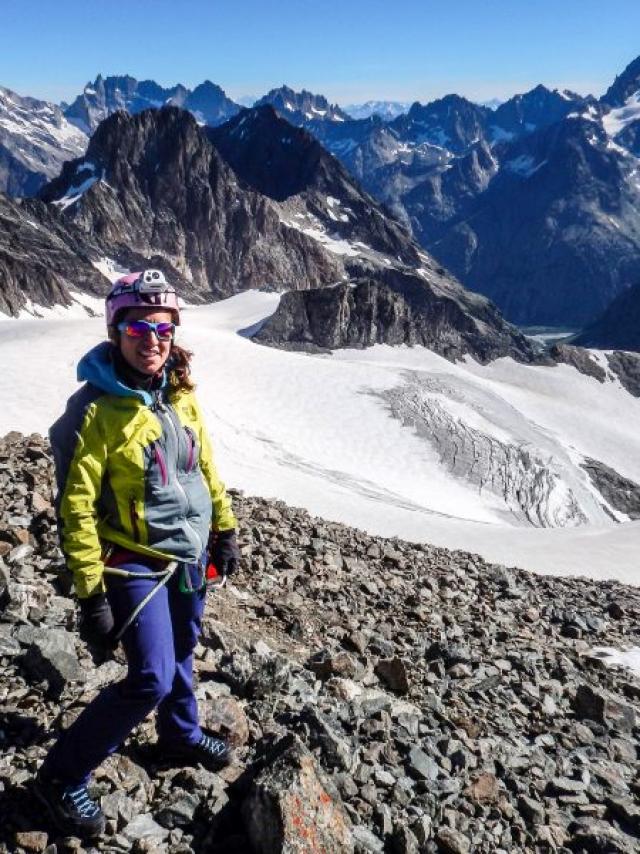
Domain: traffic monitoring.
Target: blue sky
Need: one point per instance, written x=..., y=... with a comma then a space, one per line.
x=349, y=50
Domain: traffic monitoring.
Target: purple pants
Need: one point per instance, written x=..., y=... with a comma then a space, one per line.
x=159, y=649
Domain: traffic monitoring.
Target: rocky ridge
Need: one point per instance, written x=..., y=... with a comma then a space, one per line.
x=302, y=107
x=397, y=310
x=617, y=365
x=106, y=95
x=382, y=696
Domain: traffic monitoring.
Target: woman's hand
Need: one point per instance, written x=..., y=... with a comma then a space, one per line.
x=96, y=621
x=224, y=552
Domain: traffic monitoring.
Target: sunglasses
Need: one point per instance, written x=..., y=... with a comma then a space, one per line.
x=140, y=328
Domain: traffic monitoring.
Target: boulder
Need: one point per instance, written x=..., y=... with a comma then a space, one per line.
x=52, y=658
x=226, y=716
x=293, y=808
x=604, y=708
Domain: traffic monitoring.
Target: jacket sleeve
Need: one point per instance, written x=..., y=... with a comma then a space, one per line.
x=80, y=488
x=222, y=517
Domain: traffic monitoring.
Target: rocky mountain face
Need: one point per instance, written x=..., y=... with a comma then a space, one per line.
x=553, y=169
x=35, y=140
x=618, y=328
x=282, y=161
x=380, y=696
x=620, y=365
x=365, y=312
x=256, y=203
x=535, y=109
x=105, y=96
x=44, y=259
x=452, y=123
x=624, y=86
x=563, y=188
x=302, y=107
x=155, y=185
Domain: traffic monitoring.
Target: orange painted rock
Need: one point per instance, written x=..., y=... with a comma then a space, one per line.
x=293, y=808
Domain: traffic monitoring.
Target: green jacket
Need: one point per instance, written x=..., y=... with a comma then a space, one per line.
x=136, y=469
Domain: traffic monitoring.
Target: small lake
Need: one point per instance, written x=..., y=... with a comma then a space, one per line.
x=546, y=336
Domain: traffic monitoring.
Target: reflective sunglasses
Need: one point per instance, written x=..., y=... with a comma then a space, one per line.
x=140, y=328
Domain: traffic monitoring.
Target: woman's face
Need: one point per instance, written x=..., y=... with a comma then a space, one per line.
x=147, y=354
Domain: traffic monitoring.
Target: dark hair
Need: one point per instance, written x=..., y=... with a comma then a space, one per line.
x=178, y=364
x=179, y=369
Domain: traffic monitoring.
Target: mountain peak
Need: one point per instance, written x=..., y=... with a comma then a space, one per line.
x=624, y=86
x=536, y=108
x=208, y=88
x=273, y=156
x=107, y=95
x=303, y=106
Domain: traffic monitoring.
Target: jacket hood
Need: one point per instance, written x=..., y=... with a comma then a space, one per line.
x=96, y=367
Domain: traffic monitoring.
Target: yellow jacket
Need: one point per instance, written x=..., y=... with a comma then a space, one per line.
x=133, y=468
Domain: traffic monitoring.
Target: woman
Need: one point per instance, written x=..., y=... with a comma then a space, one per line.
x=139, y=495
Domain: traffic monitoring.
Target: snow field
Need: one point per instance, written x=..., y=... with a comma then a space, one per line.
x=316, y=431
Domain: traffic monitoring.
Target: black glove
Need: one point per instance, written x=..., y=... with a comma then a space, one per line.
x=224, y=552
x=96, y=621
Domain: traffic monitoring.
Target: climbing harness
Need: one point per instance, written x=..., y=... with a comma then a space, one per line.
x=210, y=578
x=162, y=577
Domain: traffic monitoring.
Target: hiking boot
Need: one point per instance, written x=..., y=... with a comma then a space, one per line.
x=214, y=753
x=71, y=807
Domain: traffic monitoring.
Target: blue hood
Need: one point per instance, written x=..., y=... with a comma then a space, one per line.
x=96, y=367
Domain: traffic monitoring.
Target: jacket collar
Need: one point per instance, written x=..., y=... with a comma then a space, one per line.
x=97, y=367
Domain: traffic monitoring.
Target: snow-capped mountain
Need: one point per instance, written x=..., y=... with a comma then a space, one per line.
x=554, y=169
x=438, y=165
x=534, y=110
x=104, y=96
x=548, y=225
x=302, y=107
x=35, y=140
x=550, y=230
x=213, y=206
x=386, y=110
x=451, y=123
x=533, y=204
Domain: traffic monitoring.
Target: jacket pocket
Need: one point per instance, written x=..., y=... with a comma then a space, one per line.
x=192, y=449
x=161, y=462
